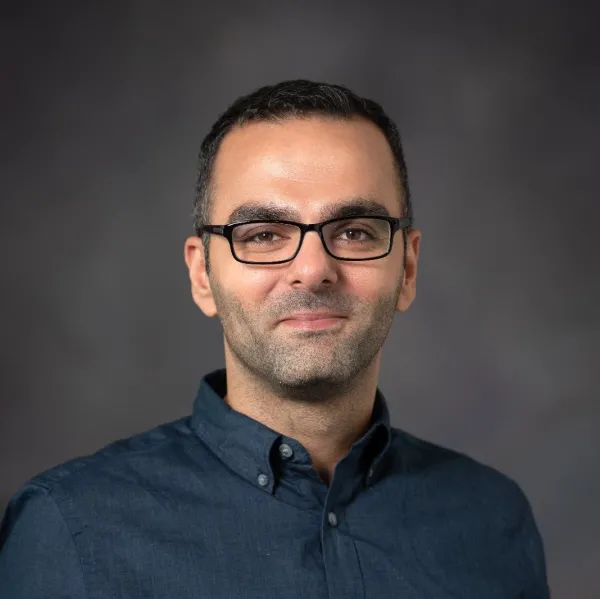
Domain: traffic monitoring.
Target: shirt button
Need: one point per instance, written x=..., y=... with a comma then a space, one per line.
x=286, y=451
x=263, y=480
x=332, y=518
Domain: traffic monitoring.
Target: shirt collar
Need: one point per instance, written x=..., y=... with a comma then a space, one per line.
x=247, y=446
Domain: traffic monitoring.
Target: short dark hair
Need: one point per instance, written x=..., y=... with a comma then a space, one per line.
x=297, y=98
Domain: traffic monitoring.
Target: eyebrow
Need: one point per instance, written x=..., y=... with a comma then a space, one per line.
x=256, y=210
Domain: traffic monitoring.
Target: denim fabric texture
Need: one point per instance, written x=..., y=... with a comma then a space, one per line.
x=217, y=505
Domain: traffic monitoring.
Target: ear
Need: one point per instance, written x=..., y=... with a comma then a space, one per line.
x=201, y=289
x=409, y=284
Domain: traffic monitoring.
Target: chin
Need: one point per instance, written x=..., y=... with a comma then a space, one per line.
x=313, y=380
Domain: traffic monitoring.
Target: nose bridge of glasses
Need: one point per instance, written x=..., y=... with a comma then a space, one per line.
x=317, y=229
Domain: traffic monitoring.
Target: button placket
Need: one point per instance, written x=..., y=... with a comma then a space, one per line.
x=332, y=519
x=370, y=476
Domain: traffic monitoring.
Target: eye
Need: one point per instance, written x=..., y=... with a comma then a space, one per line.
x=354, y=232
x=261, y=237
x=261, y=234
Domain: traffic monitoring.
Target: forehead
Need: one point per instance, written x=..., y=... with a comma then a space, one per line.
x=304, y=167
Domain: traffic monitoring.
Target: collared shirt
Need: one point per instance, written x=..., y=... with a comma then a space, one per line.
x=217, y=505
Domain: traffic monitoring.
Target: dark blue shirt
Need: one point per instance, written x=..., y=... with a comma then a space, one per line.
x=219, y=505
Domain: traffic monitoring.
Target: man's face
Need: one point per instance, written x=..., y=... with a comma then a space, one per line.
x=306, y=166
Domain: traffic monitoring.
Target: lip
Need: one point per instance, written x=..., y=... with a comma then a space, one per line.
x=312, y=320
x=312, y=316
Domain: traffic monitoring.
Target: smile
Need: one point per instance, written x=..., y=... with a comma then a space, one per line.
x=311, y=325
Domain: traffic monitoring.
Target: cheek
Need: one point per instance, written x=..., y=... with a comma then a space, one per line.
x=249, y=285
x=242, y=281
x=370, y=285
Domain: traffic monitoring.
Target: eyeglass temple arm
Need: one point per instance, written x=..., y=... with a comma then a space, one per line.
x=218, y=229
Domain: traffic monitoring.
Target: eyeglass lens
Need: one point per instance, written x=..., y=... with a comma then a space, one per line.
x=355, y=238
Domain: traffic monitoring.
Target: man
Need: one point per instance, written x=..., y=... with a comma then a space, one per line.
x=287, y=480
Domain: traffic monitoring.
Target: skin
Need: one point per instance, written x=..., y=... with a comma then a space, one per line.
x=317, y=387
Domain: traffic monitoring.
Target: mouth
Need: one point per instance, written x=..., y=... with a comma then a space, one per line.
x=312, y=322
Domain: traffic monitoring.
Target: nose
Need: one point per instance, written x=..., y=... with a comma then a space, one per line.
x=312, y=267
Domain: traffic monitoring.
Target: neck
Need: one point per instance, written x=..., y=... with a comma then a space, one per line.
x=327, y=427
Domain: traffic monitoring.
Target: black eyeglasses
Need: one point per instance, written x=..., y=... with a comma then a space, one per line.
x=278, y=241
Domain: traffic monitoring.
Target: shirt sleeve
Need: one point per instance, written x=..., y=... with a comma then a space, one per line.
x=534, y=559
x=38, y=557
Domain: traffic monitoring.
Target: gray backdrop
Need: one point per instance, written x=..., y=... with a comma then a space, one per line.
x=103, y=109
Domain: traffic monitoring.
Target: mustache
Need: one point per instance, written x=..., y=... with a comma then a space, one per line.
x=309, y=302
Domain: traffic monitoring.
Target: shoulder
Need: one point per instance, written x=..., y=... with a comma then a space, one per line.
x=48, y=515
x=459, y=506
x=456, y=478
x=123, y=461
x=48, y=520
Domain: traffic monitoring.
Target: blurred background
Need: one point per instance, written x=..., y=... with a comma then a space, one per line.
x=103, y=109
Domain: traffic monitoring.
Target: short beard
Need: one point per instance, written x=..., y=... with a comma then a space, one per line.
x=333, y=366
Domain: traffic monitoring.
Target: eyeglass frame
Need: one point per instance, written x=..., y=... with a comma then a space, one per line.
x=227, y=231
